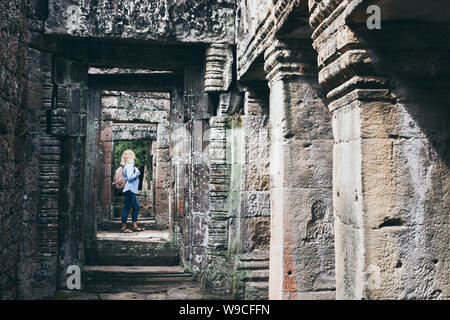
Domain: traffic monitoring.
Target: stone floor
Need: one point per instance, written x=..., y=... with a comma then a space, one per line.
x=182, y=292
x=135, y=282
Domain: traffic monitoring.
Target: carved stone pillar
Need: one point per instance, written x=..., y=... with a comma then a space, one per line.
x=388, y=180
x=301, y=244
x=216, y=276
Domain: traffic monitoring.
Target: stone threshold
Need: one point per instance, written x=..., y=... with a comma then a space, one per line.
x=144, y=236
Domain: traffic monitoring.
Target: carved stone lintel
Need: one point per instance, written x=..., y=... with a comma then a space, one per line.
x=184, y=20
x=219, y=67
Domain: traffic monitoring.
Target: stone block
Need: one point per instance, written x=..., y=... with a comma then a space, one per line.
x=256, y=176
x=255, y=204
x=199, y=230
x=106, y=133
x=302, y=163
x=163, y=175
x=255, y=233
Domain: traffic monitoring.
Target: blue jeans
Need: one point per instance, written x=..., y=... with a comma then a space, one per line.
x=130, y=200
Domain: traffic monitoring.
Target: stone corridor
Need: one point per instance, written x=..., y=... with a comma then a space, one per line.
x=136, y=266
x=288, y=150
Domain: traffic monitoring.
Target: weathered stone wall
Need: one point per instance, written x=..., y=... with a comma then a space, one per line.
x=13, y=97
x=216, y=277
x=234, y=185
x=33, y=281
x=239, y=217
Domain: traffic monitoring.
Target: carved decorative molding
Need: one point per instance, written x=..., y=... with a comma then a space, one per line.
x=49, y=183
x=219, y=67
x=218, y=188
x=283, y=59
x=249, y=50
x=346, y=66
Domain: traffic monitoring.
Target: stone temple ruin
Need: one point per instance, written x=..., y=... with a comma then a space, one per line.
x=291, y=152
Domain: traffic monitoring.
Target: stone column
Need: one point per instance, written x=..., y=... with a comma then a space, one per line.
x=148, y=168
x=218, y=187
x=91, y=169
x=301, y=243
x=216, y=276
x=389, y=183
x=163, y=177
x=105, y=159
x=254, y=207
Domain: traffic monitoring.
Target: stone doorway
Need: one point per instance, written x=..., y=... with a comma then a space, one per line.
x=132, y=120
x=148, y=260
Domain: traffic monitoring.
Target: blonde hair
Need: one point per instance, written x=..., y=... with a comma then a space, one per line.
x=128, y=156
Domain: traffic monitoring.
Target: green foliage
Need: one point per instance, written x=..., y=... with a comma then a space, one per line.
x=139, y=148
x=233, y=121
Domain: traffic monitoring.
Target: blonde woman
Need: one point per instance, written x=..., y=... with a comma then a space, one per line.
x=131, y=174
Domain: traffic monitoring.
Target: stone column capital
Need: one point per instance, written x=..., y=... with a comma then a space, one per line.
x=289, y=58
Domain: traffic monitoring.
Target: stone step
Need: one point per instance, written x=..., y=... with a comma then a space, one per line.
x=135, y=279
x=132, y=251
x=116, y=223
x=256, y=291
x=253, y=265
x=256, y=275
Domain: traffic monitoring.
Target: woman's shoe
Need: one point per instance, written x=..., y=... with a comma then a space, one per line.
x=136, y=228
x=124, y=229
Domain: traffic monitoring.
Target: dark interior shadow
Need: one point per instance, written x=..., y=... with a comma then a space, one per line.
x=416, y=58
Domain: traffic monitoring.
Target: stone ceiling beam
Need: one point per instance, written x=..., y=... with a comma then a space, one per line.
x=156, y=56
x=157, y=82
